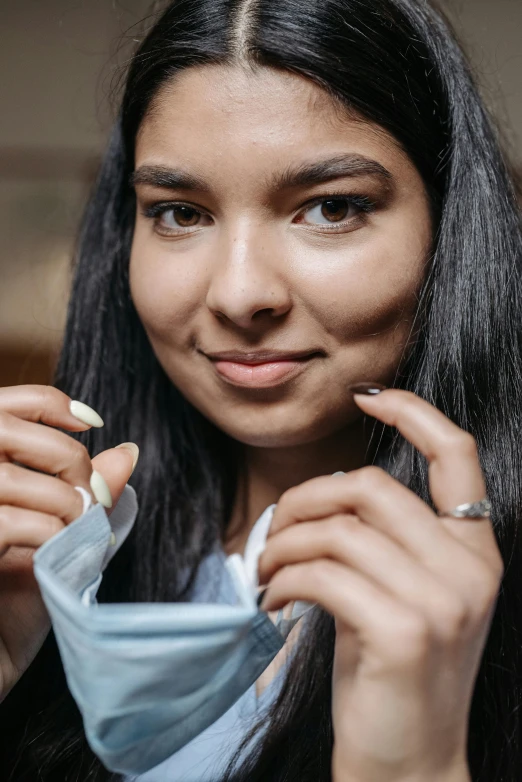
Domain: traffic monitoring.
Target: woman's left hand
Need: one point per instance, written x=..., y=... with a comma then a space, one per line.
x=413, y=596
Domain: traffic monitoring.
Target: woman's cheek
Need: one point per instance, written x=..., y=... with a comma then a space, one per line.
x=165, y=295
x=367, y=299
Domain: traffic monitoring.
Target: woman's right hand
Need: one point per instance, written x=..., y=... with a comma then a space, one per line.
x=34, y=506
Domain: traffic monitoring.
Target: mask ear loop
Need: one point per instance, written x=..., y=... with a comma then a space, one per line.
x=86, y=497
x=255, y=546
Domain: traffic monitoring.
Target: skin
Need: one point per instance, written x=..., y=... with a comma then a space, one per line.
x=250, y=275
x=412, y=593
x=34, y=507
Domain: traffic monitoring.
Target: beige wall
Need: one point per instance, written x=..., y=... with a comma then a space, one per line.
x=59, y=60
x=56, y=66
x=492, y=33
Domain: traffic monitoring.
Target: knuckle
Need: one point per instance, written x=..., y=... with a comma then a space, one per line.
x=346, y=536
x=338, y=525
x=5, y=421
x=485, y=591
x=53, y=525
x=286, y=500
x=318, y=573
x=463, y=443
x=7, y=473
x=5, y=515
x=369, y=478
x=79, y=453
x=452, y=619
x=51, y=397
x=46, y=398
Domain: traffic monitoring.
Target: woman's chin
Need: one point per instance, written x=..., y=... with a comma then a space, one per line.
x=287, y=433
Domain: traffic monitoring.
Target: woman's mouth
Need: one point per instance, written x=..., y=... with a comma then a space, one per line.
x=261, y=375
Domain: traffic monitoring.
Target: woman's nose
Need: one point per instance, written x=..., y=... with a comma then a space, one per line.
x=246, y=280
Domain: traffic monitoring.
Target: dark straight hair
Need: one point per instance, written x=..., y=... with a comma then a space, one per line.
x=396, y=63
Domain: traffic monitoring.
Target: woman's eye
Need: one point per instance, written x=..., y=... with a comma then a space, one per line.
x=330, y=211
x=175, y=219
x=180, y=217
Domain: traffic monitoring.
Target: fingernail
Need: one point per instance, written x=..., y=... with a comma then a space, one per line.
x=135, y=451
x=369, y=389
x=112, y=539
x=85, y=414
x=100, y=489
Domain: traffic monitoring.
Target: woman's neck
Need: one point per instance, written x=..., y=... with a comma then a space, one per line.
x=269, y=472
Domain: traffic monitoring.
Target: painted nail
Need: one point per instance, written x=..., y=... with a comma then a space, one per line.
x=85, y=414
x=369, y=389
x=100, y=489
x=135, y=451
x=112, y=539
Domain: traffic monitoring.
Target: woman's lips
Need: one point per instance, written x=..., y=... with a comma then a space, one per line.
x=260, y=375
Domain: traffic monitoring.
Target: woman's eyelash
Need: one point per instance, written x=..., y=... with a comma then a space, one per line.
x=156, y=210
x=364, y=203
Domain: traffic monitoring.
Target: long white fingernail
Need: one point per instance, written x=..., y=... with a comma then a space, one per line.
x=85, y=414
x=100, y=489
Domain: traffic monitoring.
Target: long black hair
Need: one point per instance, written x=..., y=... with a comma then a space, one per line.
x=397, y=63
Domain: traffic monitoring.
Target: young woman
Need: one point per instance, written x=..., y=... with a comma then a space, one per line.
x=297, y=198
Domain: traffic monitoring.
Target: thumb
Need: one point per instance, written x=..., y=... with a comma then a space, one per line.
x=116, y=466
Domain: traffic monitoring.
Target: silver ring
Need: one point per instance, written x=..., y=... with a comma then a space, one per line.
x=470, y=510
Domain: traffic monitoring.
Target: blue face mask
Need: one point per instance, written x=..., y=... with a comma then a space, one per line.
x=149, y=677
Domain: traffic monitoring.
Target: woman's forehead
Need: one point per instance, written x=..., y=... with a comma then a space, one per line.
x=222, y=115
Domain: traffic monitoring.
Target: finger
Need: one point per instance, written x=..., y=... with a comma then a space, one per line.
x=45, y=449
x=344, y=539
x=116, y=465
x=380, y=502
x=454, y=469
x=378, y=619
x=46, y=405
x=375, y=498
x=21, y=527
x=36, y=491
x=455, y=473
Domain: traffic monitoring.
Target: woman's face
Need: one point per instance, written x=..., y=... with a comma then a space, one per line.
x=269, y=219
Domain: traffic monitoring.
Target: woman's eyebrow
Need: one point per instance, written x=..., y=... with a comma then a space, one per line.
x=315, y=172
x=304, y=175
x=169, y=178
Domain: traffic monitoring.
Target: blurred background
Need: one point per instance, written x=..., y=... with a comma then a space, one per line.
x=59, y=62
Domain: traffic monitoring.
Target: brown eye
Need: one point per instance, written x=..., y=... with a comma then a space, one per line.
x=330, y=211
x=335, y=209
x=176, y=219
x=184, y=216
